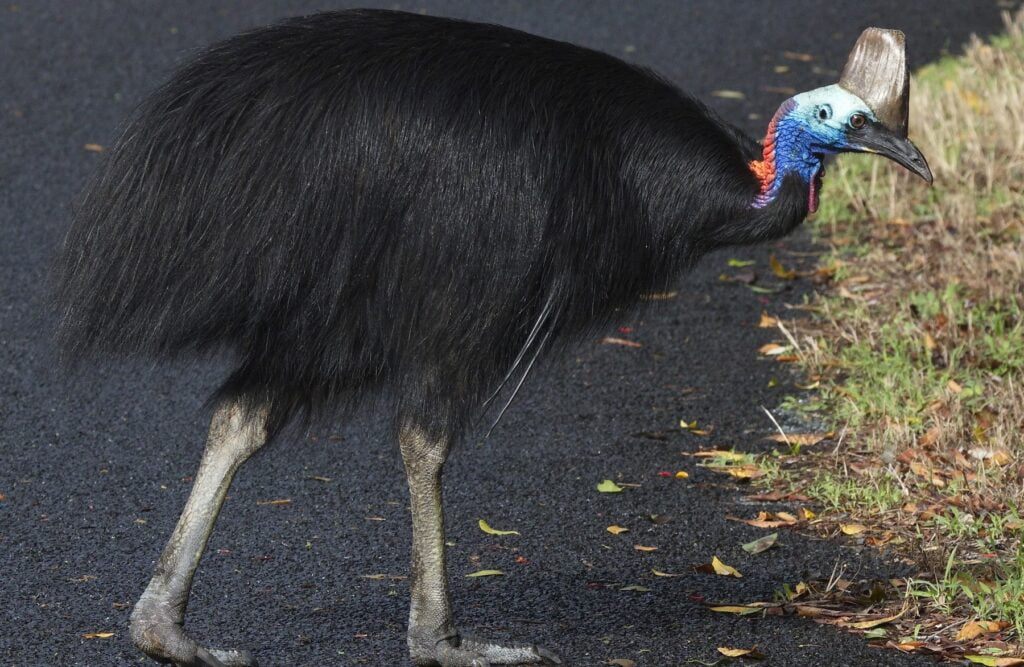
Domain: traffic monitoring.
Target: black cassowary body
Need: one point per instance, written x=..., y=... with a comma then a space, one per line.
x=375, y=203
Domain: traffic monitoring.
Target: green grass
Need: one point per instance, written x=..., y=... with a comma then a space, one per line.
x=844, y=494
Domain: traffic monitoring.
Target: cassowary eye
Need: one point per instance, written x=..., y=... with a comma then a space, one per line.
x=857, y=121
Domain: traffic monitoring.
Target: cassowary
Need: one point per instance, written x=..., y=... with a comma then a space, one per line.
x=373, y=203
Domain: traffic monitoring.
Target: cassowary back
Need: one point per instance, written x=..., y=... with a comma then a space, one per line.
x=368, y=200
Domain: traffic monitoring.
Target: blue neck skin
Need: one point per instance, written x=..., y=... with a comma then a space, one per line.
x=792, y=148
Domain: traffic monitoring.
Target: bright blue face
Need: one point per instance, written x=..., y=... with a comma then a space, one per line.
x=817, y=125
x=805, y=129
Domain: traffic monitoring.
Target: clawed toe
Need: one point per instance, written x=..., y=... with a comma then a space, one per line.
x=225, y=658
x=157, y=634
x=467, y=651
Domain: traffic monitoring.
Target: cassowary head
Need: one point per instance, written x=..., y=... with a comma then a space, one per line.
x=866, y=112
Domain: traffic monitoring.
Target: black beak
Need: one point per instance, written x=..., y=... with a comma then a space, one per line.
x=874, y=137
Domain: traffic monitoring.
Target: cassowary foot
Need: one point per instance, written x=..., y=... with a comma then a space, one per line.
x=457, y=650
x=156, y=632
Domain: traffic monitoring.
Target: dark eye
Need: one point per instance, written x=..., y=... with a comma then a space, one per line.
x=857, y=120
x=824, y=112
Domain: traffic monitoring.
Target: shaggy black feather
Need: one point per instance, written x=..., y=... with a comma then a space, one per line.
x=363, y=202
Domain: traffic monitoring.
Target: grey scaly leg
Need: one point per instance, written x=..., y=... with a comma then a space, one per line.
x=156, y=621
x=433, y=638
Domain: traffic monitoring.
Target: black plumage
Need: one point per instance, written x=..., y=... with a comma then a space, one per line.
x=374, y=202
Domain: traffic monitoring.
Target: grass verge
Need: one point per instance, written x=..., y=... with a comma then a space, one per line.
x=916, y=351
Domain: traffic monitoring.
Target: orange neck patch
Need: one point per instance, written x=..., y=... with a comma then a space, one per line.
x=766, y=169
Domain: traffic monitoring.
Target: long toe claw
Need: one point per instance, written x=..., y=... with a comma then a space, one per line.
x=166, y=642
x=468, y=651
x=207, y=659
x=231, y=657
x=509, y=654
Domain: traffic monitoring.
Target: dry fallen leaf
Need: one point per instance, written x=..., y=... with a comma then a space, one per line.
x=974, y=629
x=796, y=55
x=278, y=501
x=802, y=439
x=616, y=529
x=658, y=296
x=865, y=625
x=852, y=528
x=767, y=321
x=723, y=569
x=486, y=573
x=682, y=474
x=97, y=635
x=723, y=454
x=741, y=652
x=779, y=270
x=644, y=548
x=736, y=609
x=611, y=340
x=659, y=573
x=728, y=94
x=93, y=148
x=993, y=661
x=608, y=486
x=621, y=662
x=745, y=471
x=764, y=520
x=761, y=544
x=491, y=531
x=773, y=349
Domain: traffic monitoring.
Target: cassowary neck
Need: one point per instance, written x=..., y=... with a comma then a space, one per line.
x=786, y=151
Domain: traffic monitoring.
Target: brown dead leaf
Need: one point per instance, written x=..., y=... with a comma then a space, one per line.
x=645, y=548
x=93, y=148
x=779, y=270
x=871, y=623
x=767, y=321
x=741, y=652
x=737, y=609
x=659, y=296
x=975, y=629
x=278, y=501
x=796, y=55
x=616, y=529
x=773, y=349
x=611, y=340
x=97, y=635
x=802, y=439
x=765, y=520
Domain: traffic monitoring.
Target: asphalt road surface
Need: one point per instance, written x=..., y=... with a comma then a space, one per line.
x=94, y=469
